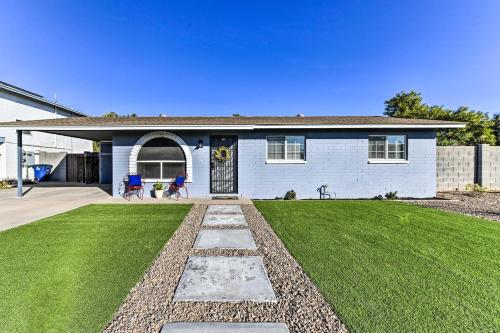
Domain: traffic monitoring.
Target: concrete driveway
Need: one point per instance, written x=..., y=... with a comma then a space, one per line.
x=45, y=200
x=50, y=198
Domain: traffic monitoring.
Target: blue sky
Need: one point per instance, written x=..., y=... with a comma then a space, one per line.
x=252, y=57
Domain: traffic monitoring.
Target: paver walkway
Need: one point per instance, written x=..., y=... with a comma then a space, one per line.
x=224, y=278
x=225, y=239
x=220, y=285
x=225, y=328
x=224, y=220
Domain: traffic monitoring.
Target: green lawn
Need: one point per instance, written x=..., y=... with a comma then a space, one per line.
x=70, y=272
x=389, y=266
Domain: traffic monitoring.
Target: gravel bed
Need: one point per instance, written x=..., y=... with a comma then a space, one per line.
x=300, y=305
x=485, y=206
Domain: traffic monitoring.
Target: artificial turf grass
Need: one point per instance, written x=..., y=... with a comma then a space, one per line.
x=70, y=272
x=393, y=267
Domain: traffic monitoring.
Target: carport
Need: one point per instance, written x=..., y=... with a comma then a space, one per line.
x=104, y=137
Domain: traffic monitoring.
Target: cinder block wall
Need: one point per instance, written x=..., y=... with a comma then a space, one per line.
x=494, y=168
x=458, y=166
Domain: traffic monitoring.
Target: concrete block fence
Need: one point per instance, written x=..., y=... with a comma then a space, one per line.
x=458, y=166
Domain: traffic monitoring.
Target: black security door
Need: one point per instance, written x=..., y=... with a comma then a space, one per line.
x=223, y=164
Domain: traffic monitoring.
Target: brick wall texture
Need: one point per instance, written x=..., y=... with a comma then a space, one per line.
x=458, y=166
x=494, y=168
x=336, y=158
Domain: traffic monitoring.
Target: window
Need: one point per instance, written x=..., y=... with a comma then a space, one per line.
x=161, y=158
x=387, y=147
x=396, y=147
x=286, y=149
x=376, y=147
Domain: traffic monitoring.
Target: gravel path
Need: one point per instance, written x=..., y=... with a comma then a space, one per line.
x=485, y=206
x=300, y=305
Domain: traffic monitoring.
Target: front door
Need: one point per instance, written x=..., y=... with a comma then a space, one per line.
x=223, y=164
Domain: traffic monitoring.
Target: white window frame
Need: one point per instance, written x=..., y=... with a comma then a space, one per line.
x=161, y=179
x=386, y=159
x=286, y=160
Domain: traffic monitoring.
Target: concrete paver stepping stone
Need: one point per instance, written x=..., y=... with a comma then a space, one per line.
x=224, y=279
x=224, y=209
x=217, y=220
x=224, y=328
x=225, y=239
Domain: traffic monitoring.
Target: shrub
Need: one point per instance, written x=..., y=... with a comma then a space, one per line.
x=158, y=186
x=475, y=189
x=391, y=195
x=10, y=182
x=290, y=195
x=378, y=197
x=4, y=184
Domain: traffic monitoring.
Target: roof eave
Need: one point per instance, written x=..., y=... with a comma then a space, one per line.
x=42, y=100
x=228, y=127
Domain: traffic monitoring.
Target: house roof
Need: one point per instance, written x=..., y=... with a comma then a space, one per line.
x=39, y=98
x=133, y=123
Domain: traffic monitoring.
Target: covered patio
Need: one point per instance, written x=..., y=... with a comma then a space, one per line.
x=105, y=158
x=159, y=153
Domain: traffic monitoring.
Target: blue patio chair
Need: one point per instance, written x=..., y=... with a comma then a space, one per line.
x=132, y=184
x=180, y=182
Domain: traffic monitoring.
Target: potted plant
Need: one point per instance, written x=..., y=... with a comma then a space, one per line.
x=158, y=188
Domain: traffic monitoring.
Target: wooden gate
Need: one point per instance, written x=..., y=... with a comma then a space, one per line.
x=223, y=164
x=82, y=168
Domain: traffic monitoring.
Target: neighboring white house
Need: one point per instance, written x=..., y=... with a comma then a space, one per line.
x=19, y=104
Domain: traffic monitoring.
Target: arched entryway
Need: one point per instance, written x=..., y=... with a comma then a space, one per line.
x=161, y=156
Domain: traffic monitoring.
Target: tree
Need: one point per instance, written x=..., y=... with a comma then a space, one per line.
x=496, y=119
x=480, y=127
x=111, y=114
x=406, y=105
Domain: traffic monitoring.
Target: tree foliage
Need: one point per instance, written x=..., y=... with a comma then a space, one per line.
x=496, y=119
x=480, y=127
x=113, y=114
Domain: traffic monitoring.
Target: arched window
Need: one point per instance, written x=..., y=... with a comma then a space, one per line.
x=161, y=158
